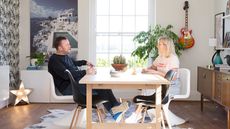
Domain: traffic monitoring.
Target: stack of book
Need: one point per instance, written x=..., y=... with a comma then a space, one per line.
x=223, y=66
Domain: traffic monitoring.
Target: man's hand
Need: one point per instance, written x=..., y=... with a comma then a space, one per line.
x=89, y=64
x=91, y=71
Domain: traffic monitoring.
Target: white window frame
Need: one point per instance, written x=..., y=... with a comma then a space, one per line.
x=92, y=25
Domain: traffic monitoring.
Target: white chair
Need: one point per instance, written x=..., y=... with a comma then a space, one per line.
x=4, y=81
x=184, y=76
x=55, y=96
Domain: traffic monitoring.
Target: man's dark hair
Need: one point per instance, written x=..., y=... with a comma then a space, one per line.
x=58, y=40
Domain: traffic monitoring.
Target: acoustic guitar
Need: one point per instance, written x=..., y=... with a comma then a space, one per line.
x=186, y=39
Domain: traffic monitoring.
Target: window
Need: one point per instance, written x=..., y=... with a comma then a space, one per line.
x=117, y=22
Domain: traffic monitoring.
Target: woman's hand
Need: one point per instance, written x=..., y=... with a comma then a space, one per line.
x=144, y=70
x=150, y=71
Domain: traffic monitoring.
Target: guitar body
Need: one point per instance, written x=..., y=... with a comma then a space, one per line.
x=186, y=39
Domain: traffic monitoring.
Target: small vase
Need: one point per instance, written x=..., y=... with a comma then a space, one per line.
x=217, y=59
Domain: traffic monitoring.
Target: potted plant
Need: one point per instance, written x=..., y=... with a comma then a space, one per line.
x=148, y=41
x=119, y=63
x=37, y=59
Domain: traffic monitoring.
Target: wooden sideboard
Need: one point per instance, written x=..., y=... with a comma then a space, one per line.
x=214, y=85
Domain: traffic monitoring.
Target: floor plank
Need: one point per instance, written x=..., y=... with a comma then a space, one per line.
x=213, y=116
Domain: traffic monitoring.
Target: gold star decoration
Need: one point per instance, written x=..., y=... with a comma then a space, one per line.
x=21, y=94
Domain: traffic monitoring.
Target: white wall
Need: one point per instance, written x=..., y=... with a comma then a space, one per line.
x=24, y=33
x=220, y=6
x=201, y=22
x=201, y=13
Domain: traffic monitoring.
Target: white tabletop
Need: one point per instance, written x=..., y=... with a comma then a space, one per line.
x=103, y=77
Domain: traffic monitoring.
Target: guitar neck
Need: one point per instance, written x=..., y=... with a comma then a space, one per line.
x=186, y=19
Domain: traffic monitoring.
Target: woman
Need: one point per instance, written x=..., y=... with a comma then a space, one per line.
x=166, y=60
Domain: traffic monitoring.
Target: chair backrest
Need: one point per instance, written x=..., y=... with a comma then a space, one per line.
x=55, y=96
x=77, y=96
x=184, y=78
x=165, y=90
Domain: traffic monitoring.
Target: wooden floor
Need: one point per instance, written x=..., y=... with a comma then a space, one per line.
x=213, y=117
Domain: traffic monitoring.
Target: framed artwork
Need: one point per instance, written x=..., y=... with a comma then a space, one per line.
x=228, y=7
x=219, y=29
x=227, y=40
x=50, y=19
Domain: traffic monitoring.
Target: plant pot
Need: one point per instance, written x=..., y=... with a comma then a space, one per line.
x=119, y=67
x=33, y=61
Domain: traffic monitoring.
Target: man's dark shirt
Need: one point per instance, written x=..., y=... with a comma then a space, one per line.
x=57, y=66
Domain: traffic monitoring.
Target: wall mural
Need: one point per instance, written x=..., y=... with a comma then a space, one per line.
x=9, y=38
x=50, y=19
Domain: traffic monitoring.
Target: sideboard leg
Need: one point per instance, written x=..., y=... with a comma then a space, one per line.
x=201, y=102
x=228, y=119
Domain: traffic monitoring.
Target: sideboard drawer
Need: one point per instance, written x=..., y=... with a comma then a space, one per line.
x=218, y=85
x=225, y=91
x=205, y=82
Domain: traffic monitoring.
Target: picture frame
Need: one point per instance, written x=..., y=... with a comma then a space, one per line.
x=227, y=8
x=219, y=29
x=57, y=18
x=226, y=43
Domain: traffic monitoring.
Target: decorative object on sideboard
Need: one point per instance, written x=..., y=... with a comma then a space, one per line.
x=227, y=57
x=219, y=29
x=21, y=94
x=119, y=63
x=37, y=60
x=216, y=58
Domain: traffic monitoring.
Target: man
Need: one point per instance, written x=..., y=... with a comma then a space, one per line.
x=60, y=61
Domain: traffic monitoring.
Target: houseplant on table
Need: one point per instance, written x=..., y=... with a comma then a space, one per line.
x=119, y=63
x=147, y=41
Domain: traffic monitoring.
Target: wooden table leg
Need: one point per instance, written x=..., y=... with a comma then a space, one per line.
x=158, y=107
x=201, y=102
x=89, y=106
x=228, y=119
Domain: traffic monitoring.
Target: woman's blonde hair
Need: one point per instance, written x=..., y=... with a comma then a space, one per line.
x=169, y=43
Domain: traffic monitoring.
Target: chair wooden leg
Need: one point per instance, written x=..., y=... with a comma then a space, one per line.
x=123, y=115
x=103, y=111
x=99, y=115
x=162, y=120
x=78, y=113
x=143, y=119
x=75, y=117
x=75, y=124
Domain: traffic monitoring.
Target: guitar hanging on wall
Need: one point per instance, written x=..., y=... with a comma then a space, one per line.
x=186, y=39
